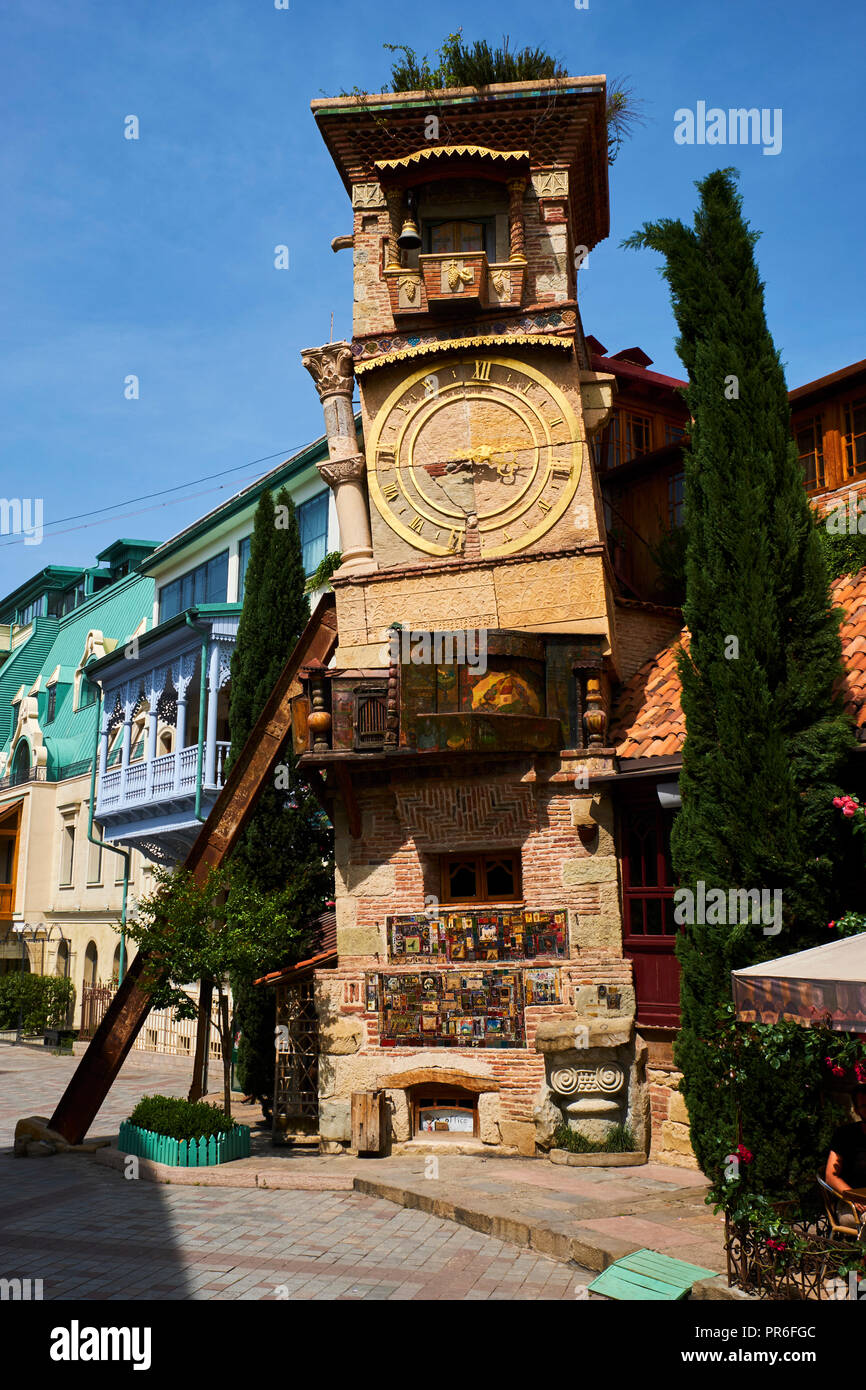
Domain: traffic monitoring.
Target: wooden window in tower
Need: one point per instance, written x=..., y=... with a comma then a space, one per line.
x=809, y=437
x=854, y=439
x=481, y=878
x=459, y=237
x=628, y=436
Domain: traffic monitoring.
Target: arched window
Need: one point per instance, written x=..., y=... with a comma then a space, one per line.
x=21, y=764
x=61, y=963
x=91, y=960
x=115, y=965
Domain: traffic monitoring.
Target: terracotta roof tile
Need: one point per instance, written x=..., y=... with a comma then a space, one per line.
x=647, y=720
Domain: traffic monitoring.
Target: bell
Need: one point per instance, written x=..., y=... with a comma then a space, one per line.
x=410, y=238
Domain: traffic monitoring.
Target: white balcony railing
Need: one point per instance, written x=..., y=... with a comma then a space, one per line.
x=171, y=775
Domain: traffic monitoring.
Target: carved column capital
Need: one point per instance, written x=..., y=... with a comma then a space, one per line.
x=337, y=471
x=332, y=368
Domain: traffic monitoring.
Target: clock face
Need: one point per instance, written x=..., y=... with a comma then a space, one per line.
x=474, y=444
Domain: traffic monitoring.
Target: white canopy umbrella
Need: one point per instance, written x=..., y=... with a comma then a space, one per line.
x=826, y=982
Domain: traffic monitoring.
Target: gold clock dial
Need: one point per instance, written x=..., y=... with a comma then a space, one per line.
x=474, y=443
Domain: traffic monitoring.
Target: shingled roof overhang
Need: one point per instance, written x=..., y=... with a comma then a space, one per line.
x=560, y=122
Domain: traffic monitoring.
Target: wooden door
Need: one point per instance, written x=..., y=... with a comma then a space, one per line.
x=649, y=930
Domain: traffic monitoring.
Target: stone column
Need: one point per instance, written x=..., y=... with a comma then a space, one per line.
x=331, y=367
x=395, y=203
x=517, y=231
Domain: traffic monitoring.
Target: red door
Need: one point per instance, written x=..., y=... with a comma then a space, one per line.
x=649, y=930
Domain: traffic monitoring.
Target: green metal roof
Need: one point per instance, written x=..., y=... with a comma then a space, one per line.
x=116, y=611
x=51, y=577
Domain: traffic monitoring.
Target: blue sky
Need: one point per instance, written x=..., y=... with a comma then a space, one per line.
x=155, y=257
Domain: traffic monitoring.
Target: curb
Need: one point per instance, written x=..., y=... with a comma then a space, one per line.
x=220, y=1176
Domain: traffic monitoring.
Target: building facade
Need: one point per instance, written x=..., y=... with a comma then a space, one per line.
x=164, y=732
x=479, y=980
x=497, y=731
x=61, y=894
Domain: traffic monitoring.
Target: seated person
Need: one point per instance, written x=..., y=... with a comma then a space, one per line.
x=846, y=1164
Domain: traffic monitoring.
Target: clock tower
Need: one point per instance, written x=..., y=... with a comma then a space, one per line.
x=478, y=970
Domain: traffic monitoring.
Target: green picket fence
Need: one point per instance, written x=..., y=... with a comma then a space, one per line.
x=185, y=1153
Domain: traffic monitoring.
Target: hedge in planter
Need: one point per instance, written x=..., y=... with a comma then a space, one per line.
x=182, y=1133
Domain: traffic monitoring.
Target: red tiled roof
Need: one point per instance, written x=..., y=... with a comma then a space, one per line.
x=648, y=720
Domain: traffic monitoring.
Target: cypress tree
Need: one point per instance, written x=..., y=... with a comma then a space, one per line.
x=765, y=738
x=286, y=848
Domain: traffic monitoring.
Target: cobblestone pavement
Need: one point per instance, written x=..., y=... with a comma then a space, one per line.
x=88, y=1233
x=32, y=1081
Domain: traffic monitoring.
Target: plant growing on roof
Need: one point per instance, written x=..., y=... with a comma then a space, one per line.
x=480, y=65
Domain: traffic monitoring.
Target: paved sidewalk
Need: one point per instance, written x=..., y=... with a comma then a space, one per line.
x=588, y=1216
x=89, y=1234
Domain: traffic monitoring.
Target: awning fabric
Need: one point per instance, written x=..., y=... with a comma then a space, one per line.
x=805, y=987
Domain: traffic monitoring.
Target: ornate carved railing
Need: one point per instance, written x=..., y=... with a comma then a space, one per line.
x=810, y=1271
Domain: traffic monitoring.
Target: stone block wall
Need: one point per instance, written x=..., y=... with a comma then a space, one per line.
x=393, y=867
x=670, y=1119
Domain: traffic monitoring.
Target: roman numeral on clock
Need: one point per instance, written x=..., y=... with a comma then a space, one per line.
x=385, y=458
x=416, y=525
x=545, y=506
x=482, y=371
x=391, y=491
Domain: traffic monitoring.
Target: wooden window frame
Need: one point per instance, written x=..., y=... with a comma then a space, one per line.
x=425, y=1097
x=817, y=481
x=634, y=895
x=479, y=858
x=848, y=436
x=487, y=223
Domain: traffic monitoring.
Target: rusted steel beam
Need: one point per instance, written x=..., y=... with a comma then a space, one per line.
x=95, y=1074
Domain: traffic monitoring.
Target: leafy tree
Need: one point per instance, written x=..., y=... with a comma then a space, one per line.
x=186, y=934
x=287, y=841
x=765, y=738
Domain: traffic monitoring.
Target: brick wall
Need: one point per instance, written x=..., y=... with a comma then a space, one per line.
x=393, y=867
x=640, y=634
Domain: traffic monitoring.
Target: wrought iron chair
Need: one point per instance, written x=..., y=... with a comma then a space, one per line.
x=846, y=1219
